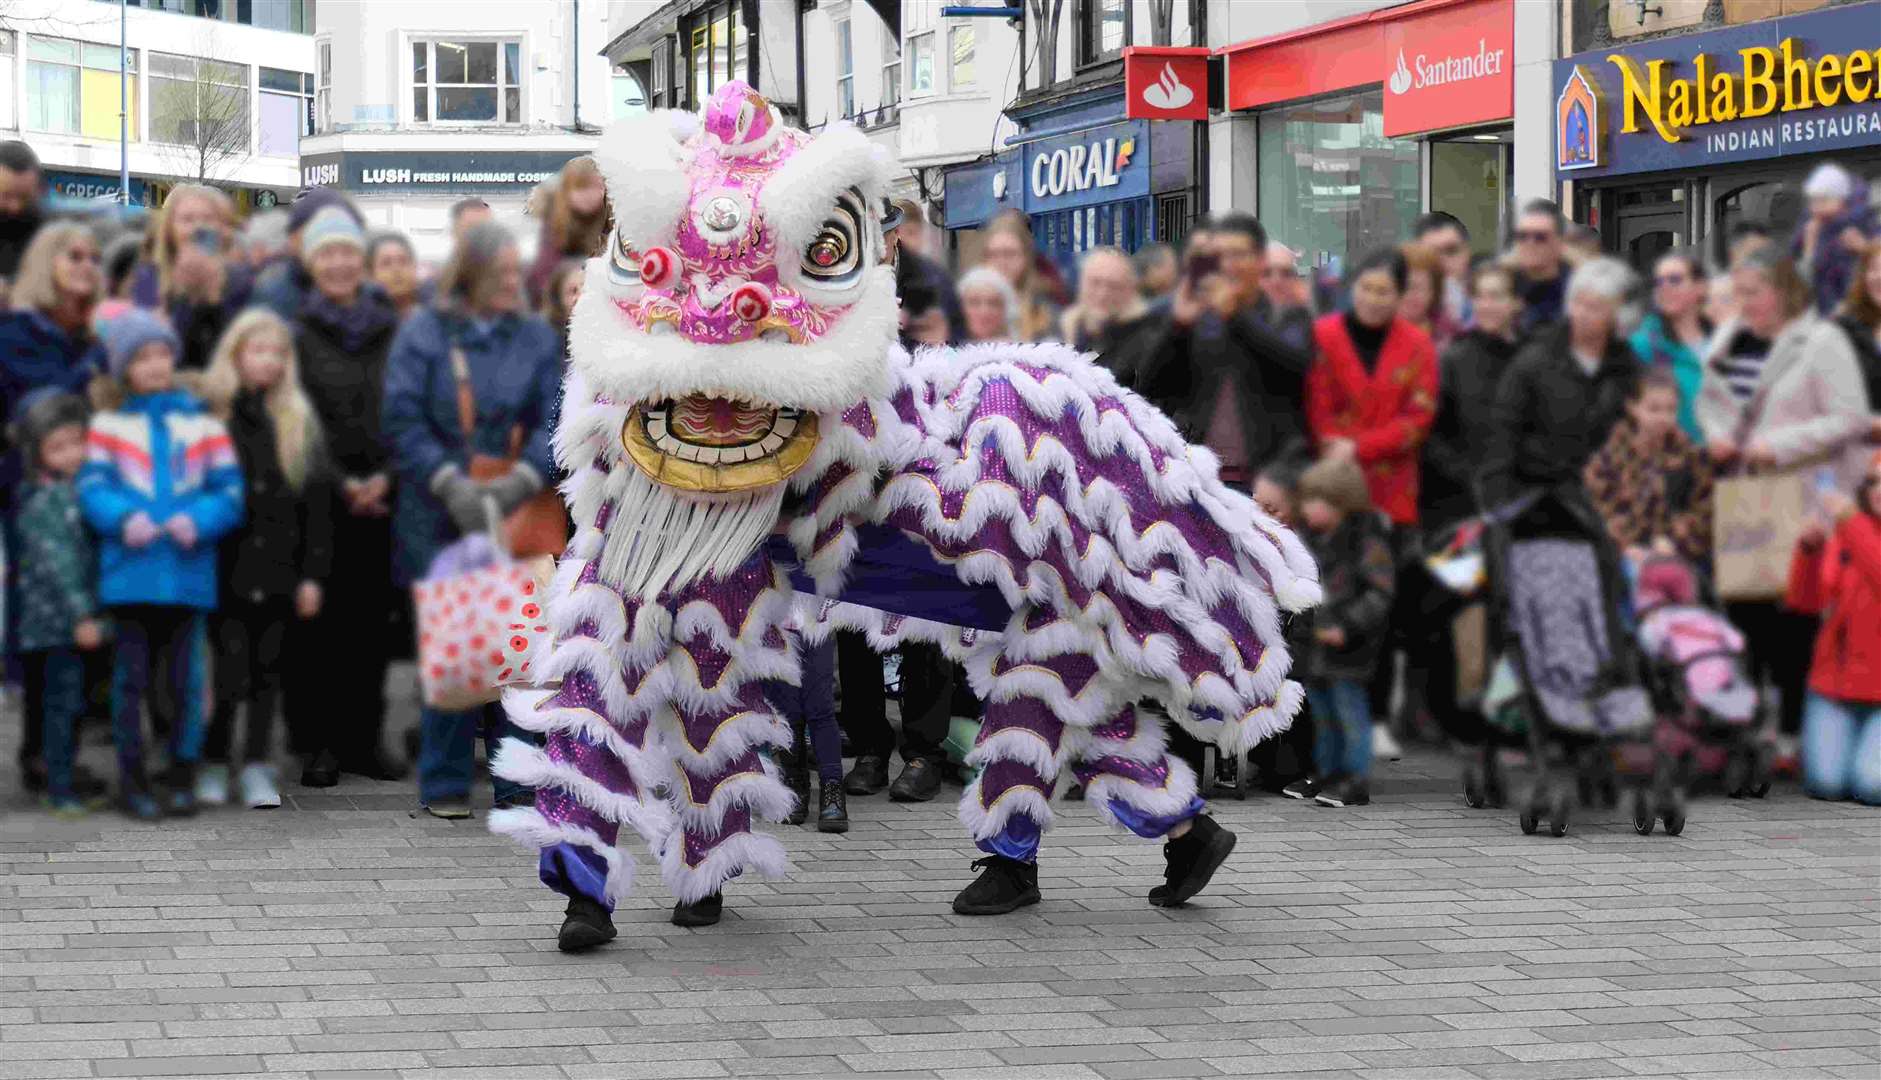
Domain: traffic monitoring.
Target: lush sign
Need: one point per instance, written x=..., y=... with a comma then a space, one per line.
x=450, y=171
x=1797, y=84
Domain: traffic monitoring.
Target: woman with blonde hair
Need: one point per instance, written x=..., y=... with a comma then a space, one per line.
x=47, y=338
x=1011, y=250
x=193, y=275
x=576, y=224
x=275, y=566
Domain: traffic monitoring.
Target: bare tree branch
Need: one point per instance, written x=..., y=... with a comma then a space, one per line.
x=200, y=111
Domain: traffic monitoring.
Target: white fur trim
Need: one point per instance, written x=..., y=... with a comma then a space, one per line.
x=1172, y=798
x=527, y=826
x=643, y=163
x=734, y=855
x=984, y=823
x=529, y=765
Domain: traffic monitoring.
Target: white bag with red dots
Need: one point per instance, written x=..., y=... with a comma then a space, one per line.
x=481, y=624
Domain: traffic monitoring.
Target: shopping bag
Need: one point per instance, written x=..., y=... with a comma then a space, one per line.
x=481, y=623
x=1470, y=633
x=1756, y=521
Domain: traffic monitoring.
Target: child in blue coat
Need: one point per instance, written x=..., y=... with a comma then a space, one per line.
x=160, y=485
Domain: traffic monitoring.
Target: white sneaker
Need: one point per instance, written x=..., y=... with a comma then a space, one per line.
x=1384, y=745
x=212, y=785
x=259, y=791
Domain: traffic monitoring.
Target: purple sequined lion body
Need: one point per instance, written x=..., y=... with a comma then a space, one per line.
x=1102, y=561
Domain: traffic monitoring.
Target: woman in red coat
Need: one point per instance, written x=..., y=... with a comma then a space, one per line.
x=1842, y=713
x=1371, y=393
x=1371, y=397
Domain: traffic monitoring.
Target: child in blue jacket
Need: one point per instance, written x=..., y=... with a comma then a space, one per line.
x=160, y=485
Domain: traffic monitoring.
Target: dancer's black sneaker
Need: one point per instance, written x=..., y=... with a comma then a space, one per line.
x=586, y=924
x=833, y=816
x=869, y=776
x=1352, y=792
x=1005, y=885
x=920, y=781
x=321, y=771
x=702, y=912
x=1303, y=788
x=1192, y=860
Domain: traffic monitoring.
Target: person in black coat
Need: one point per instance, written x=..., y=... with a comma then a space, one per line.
x=342, y=336
x=273, y=569
x=1216, y=362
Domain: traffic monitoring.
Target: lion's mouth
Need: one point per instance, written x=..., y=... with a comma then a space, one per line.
x=701, y=443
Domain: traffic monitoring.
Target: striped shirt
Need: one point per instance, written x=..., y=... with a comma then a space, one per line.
x=1742, y=363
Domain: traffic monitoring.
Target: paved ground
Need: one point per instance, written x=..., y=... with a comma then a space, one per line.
x=342, y=937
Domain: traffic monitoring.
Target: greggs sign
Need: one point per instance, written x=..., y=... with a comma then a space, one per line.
x=1799, y=84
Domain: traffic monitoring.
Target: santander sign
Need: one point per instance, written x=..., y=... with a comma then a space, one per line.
x=1162, y=82
x=1449, y=68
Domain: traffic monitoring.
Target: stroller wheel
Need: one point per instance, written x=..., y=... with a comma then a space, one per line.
x=1642, y=812
x=1675, y=821
x=1530, y=821
x=1473, y=794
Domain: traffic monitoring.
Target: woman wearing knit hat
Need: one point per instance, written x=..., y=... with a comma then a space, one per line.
x=342, y=336
x=160, y=486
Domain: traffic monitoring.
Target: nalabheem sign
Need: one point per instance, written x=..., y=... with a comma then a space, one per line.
x=1801, y=84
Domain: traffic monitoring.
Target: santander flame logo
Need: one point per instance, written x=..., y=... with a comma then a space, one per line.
x=1167, y=92
x=1401, y=78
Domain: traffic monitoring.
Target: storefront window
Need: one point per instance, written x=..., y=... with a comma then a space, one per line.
x=72, y=87
x=1332, y=186
x=286, y=112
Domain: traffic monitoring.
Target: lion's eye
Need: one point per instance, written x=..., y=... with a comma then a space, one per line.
x=834, y=255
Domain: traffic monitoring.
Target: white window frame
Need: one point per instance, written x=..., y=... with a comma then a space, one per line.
x=926, y=39
x=844, y=33
x=305, y=97
x=409, y=79
x=963, y=27
x=22, y=64
x=323, y=85
x=891, y=70
x=246, y=87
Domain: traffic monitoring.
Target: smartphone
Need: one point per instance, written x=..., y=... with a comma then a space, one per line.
x=1200, y=265
x=207, y=240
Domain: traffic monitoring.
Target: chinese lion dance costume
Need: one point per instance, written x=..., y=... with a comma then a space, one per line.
x=738, y=393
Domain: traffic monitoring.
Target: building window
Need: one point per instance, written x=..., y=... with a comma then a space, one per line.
x=323, y=93
x=1103, y=30
x=960, y=48
x=73, y=87
x=474, y=82
x=845, y=71
x=295, y=16
x=661, y=96
x=286, y=107
x=891, y=70
x=198, y=102
x=1332, y=186
x=921, y=64
x=719, y=49
x=7, y=67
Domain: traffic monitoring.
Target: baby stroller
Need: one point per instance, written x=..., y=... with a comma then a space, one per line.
x=1580, y=696
x=1708, y=703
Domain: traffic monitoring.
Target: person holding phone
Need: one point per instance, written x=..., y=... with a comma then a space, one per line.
x=192, y=278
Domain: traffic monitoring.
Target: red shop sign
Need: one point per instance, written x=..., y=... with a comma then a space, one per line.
x=1458, y=63
x=1165, y=83
x=1450, y=67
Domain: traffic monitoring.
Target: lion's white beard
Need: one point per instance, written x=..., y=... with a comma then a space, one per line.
x=662, y=539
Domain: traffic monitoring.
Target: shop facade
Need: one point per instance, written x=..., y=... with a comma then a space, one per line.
x=1084, y=175
x=1363, y=123
x=1670, y=142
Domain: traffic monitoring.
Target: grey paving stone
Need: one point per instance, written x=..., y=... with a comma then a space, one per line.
x=1409, y=940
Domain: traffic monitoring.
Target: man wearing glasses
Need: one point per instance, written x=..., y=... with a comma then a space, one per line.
x=1540, y=263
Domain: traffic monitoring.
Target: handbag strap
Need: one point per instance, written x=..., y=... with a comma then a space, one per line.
x=467, y=405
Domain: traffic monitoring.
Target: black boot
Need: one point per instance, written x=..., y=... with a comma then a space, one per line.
x=135, y=798
x=1192, y=861
x=1007, y=885
x=920, y=781
x=702, y=912
x=869, y=776
x=834, y=815
x=586, y=925
x=322, y=770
